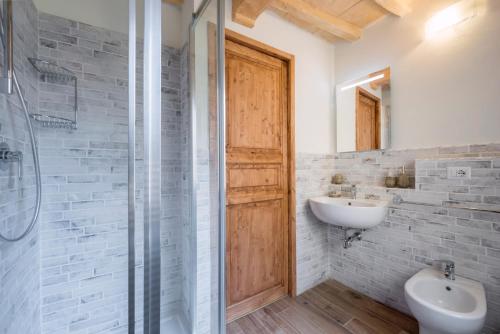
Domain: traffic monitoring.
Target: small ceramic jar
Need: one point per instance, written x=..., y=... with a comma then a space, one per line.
x=390, y=181
x=338, y=179
x=403, y=181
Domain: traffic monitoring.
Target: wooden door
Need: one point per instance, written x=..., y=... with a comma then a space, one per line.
x=367, y=121
x=257, y=179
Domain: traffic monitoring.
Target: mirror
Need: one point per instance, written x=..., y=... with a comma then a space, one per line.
x=364, y=112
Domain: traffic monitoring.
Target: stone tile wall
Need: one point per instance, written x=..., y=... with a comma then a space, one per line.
x=84, y=222
x=19, y=261
x=204, y=265
x=434, y=221
x=370, y=168
x=188, y=236
x=313, y=175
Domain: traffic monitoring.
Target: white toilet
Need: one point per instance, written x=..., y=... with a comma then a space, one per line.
x=445, y=304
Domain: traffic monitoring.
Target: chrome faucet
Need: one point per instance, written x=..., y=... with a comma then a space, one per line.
x=353, y=191
x=449, y=268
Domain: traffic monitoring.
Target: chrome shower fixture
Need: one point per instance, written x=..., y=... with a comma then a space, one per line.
x=8, y=157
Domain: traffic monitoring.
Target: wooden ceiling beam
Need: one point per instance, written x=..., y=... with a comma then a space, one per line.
x=396, y=7
x=246, y=12
x=316, y=20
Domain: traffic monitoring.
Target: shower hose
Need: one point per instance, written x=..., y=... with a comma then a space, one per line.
x=38, y=178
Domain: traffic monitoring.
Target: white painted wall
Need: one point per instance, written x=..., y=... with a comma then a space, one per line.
x=445, y=91
x=113, y=15
x=314, y=89
x=346, y=120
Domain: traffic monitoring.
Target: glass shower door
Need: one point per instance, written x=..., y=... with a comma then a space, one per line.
x=175, y=222
x=144, y=163
x=160, y=230
x=145, y=167
x=207, y=142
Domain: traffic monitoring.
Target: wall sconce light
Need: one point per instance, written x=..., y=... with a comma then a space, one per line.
x=451, y=16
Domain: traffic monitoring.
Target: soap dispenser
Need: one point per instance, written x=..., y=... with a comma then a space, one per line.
x=390, y=179
x=403, y=179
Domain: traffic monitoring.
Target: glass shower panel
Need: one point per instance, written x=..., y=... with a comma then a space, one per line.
x=19, y=260
x=78, y=270
x=175, y=233
x=205, y=163
x=163, y=256
x=83, y=225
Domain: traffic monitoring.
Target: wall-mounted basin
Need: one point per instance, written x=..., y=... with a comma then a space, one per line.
x=349, y=213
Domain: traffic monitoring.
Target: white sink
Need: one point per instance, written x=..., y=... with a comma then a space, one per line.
x=446, y=306
x=349, y=213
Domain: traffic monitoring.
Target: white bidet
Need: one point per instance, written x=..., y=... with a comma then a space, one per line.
x=446, y=304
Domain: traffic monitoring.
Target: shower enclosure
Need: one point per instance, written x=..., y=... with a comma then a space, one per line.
x=128, y=237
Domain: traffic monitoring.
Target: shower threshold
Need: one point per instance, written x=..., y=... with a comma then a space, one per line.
x=174, y=324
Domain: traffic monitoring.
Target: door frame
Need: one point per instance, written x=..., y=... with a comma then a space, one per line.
x=378, y=106
x=289, y=59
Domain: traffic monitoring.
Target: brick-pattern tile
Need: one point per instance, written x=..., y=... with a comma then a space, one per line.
x=313, y=175
x=188, y=251
x=434, y=221
x=83, y=235
x=19, y=261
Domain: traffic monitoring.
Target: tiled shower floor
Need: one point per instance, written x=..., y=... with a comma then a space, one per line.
x=173, y=325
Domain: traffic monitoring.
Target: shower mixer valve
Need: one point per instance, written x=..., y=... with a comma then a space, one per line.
x=7, y=156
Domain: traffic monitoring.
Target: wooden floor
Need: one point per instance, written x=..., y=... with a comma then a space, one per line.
x=327, y=308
